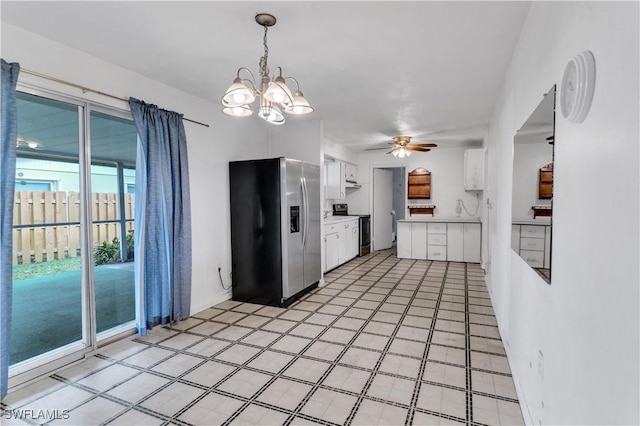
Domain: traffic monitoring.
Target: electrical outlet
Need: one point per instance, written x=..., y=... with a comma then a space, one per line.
x=541, y=364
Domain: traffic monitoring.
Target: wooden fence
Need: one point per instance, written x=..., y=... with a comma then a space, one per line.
x=46, y=240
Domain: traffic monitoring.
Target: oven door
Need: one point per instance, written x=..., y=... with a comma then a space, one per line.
x=365, y=235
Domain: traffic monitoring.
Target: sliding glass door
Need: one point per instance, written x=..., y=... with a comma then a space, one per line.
x=49, y=298
x=113, y=156
x=73, y=279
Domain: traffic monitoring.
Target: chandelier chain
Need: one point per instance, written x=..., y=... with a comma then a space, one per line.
x=264, y=70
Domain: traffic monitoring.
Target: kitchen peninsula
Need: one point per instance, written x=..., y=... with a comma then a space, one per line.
x=454, y=239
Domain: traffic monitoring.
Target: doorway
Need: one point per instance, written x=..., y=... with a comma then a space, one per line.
x=388, y=200
x=73, y=279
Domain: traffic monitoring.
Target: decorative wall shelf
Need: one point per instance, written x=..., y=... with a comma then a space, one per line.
x=419, y=184
x=545, y=182
x=542, y=211
x=421, y=209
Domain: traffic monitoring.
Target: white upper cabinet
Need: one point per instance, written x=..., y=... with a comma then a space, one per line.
x=336, y=184
x=340, y=176
x=350, y=173
x=474, y=169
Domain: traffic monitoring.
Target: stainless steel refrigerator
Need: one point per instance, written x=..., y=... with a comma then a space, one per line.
x=275, y=229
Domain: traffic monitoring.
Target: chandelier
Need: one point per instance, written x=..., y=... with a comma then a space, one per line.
x=274, y=97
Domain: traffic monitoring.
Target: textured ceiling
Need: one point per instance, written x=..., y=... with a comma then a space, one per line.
x=372, y=70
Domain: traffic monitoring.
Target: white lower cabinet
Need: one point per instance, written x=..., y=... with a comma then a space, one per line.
x=351, y=240
x=331, y=251
x=342, y=243
x=411, y=240
x=437, y=241
x=532, y=243
x=452, y=241
x=455, y=242
x=547, y=247
x=355, y=240
x=419, y=241
x=403, y=238
x=472, y=242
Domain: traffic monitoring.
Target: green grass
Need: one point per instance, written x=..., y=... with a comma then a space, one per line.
x=33, y=270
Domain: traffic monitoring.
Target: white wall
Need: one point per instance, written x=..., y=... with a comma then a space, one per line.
x=586, y=322
x=528, y=158
x=339, y=152
x=447, y=180
x=300, y=140
x=210, y=149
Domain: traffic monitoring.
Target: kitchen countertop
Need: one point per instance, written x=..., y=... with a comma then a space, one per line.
x=337, y=219
x=531, y=221
x=442, y=219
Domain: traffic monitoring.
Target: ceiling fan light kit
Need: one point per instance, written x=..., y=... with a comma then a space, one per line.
x=402, y=148
x=274, y=96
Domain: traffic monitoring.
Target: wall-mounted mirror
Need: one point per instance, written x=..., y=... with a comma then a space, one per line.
x=533, y=187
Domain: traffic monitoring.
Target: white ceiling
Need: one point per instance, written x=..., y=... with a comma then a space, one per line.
x=372, y=70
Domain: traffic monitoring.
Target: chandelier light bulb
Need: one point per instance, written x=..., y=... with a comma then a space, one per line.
x=278, y=97
x=238, y=111
x=239, y=98
x=300, y=105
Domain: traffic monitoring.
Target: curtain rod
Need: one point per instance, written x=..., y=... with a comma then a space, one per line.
x=87, y=89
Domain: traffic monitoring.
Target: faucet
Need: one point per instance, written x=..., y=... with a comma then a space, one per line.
x=325, y=213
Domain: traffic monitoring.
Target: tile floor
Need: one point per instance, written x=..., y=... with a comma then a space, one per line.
x=387, y=341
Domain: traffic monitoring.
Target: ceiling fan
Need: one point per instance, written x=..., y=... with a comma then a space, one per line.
x=402, y=147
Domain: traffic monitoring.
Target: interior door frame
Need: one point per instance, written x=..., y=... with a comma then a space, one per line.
x=372, y=192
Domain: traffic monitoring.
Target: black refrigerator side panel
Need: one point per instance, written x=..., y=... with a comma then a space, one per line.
x=256, y=246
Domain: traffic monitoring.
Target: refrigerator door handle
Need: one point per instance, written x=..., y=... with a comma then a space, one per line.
x=305, y=211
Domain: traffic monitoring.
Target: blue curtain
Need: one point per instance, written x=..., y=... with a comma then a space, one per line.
x=7, y=178
x=162, y=217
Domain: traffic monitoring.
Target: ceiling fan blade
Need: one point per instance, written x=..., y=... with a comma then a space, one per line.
x=425, y=145
x=376, y=149
x=418, y=148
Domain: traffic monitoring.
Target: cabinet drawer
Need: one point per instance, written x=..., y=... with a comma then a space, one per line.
x=536, y=244
x=331, y=229
x=437, y=239
x=532, y=231
x=438, y=228
x=535, y=259
x=437, y=252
